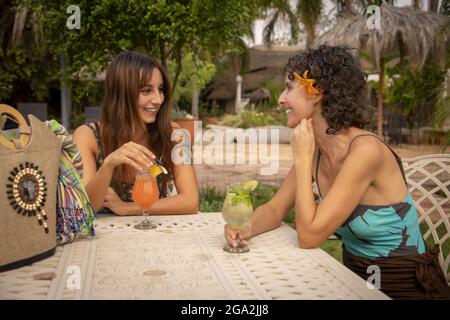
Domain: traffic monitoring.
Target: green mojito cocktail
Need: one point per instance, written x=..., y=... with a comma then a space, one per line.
x=237, y=210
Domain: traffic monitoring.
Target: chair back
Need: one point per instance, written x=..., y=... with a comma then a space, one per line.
x=428, y=178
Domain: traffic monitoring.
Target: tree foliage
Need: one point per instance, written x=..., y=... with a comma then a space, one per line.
x=295, y=14
x=412, y=89
x=160, y=28
x=23, y=75
x=196, y=74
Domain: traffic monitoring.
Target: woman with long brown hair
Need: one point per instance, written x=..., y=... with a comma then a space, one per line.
x=134, y=132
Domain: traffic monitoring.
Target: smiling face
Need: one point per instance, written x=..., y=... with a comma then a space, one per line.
x=151, y=97
x=296, y=103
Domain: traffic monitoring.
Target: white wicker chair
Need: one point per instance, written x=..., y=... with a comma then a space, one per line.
x=428, y=178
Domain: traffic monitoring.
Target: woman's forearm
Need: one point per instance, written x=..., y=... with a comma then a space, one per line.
x=179, y=204
x=164, y=206
x=264, y=219
x=305, y=205
x=98, y=185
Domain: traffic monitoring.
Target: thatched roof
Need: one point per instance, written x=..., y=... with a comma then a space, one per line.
x=222, y=91
x=412, y=29
x=259, y=94
x=274, y=57
x=264, y=64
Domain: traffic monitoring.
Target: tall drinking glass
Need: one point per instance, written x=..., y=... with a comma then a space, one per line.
x=145, y=192
x=236, y=211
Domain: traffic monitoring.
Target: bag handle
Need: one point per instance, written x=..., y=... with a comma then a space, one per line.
x=10, y=113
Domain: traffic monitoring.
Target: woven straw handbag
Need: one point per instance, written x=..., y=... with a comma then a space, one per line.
x=29, y=162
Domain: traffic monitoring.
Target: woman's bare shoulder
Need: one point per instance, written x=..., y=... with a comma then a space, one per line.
x=367, y=143
x=368, y=150
x=83, y=136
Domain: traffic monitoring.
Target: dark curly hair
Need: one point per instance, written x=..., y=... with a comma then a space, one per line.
x=343, y=84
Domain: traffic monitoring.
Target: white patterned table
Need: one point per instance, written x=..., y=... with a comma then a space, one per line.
x=183, y=259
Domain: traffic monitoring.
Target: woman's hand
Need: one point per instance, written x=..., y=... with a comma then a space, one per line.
x=302, y=142
x=114, y=203
x=133, y=154
x=235, y=238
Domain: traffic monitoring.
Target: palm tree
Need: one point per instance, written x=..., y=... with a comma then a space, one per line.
x=410, y=31
x=13, y=21
x=305, y=12
x=309, y=12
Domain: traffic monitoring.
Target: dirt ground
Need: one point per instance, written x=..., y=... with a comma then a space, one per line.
x=222, y=175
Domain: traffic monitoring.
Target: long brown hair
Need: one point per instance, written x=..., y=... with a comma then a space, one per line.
x=126, y=75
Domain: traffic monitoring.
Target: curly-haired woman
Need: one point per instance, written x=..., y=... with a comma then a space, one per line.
x=364, y=197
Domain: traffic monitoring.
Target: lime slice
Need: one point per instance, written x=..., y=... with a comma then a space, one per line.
x=164, y=170
x=250, y=185
x=160, y=164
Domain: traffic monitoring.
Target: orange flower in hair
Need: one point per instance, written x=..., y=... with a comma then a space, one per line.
x=308, y=84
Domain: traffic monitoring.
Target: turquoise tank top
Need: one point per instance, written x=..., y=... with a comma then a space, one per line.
x=381, y=231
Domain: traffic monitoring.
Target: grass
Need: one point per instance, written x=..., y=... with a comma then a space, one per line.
x=211, y=200
x=333, y=248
